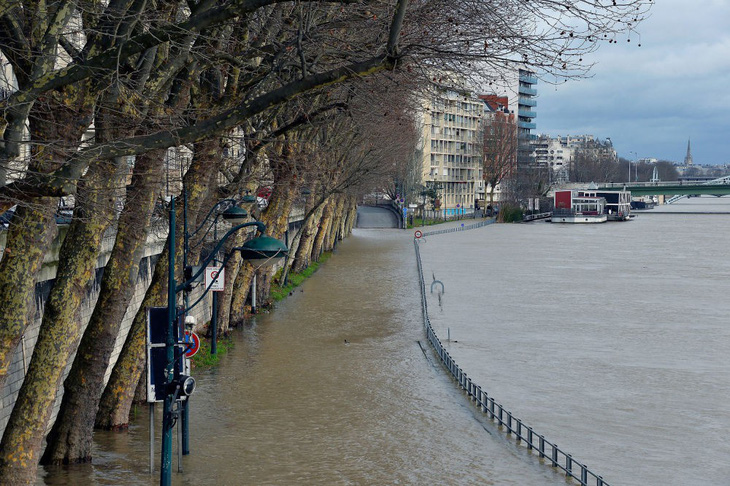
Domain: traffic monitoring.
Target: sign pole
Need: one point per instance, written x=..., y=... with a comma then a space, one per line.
x=152, y=437
x=166, y=452
x=214, y=325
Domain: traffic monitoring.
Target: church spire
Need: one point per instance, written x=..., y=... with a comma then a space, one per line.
x=688, y=157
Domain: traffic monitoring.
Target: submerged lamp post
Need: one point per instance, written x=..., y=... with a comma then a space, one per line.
x=263, y=249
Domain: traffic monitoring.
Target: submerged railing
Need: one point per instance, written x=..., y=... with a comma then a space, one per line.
x=524, y=434
x=457, y=228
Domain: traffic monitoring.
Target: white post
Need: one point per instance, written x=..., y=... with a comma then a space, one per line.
x=253, y=294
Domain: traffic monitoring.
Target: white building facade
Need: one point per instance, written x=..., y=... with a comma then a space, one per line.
x=452, y=155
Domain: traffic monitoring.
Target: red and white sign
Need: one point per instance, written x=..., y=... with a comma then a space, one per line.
x=418, y=233
x=193, y=344
x=215, y=278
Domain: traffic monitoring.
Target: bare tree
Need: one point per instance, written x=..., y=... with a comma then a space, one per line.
x=500, y=150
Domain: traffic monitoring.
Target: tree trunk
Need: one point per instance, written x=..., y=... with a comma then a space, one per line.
x=61, y=326
x=232, y=313
x=324, y=226
x=118, y=396
x=277, y=217
x=116, y=401
x=70, y=439
x=306, y=241
x=29, y=237
x=337, y=217
x=33, y=227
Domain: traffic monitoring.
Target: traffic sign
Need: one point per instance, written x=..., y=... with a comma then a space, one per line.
x=215, y=278
x=418, y=233
x=193, y=344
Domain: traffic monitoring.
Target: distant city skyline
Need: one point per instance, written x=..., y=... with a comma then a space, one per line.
x=650, y=100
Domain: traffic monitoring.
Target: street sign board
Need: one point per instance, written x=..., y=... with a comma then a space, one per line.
x=192, y=344
x=215, y=278
x=156, y=337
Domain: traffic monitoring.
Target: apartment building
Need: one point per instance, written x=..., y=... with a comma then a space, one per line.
x=452, y=154
x=526, y=103
x=559, y=153
x=556, y=154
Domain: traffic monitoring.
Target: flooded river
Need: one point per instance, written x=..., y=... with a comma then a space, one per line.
x=611, y=340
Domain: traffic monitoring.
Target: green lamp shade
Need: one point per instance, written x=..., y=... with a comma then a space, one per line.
x=235, y=215
x=263, y=248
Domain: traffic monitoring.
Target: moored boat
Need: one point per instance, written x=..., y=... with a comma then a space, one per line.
x=570, y=207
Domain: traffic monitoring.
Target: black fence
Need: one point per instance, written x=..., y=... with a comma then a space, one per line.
x=525, y=435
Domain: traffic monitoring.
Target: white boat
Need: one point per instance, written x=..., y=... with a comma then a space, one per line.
x=573, y=208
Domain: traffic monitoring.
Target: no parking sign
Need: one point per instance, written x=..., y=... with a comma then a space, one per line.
x=215, y=278
x=193, y=344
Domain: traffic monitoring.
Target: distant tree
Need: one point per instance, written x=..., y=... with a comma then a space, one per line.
x=667, y=170
x=500, y=150
x=594, y=162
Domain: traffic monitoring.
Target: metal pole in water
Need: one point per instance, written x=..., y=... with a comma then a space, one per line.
x=179, y=442
x=152, y=437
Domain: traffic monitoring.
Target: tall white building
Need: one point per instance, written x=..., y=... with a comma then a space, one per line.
x=452, y=155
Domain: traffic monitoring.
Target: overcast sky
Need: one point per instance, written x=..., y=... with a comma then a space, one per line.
x=651, y=99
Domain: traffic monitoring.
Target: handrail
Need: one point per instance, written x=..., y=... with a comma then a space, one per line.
x=523, y=433
x=459, y=228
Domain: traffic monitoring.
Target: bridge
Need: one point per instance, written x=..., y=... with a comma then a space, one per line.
x=715, y=187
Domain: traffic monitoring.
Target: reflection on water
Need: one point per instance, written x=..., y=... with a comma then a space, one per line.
x=294, y=403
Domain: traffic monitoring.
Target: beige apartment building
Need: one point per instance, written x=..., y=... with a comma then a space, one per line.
x=452, y=149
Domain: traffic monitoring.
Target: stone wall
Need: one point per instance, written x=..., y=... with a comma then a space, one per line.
x=24, y=351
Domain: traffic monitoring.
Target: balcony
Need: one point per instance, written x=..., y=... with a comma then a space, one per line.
x=524, y=90
x=526, y=114
x=526, y=125
x=527, y=102
x=527, y=78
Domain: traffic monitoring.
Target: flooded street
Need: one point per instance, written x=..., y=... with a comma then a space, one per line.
x=294, y=403
x=610, y=340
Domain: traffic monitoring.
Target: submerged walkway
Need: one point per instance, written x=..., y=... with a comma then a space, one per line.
x=370, y=217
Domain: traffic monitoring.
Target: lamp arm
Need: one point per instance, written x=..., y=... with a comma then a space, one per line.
x=207, y=289
x=215, y=206
x=261, y=228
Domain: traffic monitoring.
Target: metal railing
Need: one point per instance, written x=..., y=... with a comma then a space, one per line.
x=454, y=230
x=548, y=452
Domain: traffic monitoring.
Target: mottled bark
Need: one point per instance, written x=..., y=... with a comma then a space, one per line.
x=116, y=401
x=277, y=217
x=70, y=439
x=33, y=228
x=231, y=302
x=308, y=234
x=29, y=237
x=324, y=226
x=61, y=325
x=334, y=229
x=118, y=396
x=352, y=217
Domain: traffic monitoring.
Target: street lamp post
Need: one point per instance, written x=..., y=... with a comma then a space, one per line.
x=262, y=248
x=636, y=167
